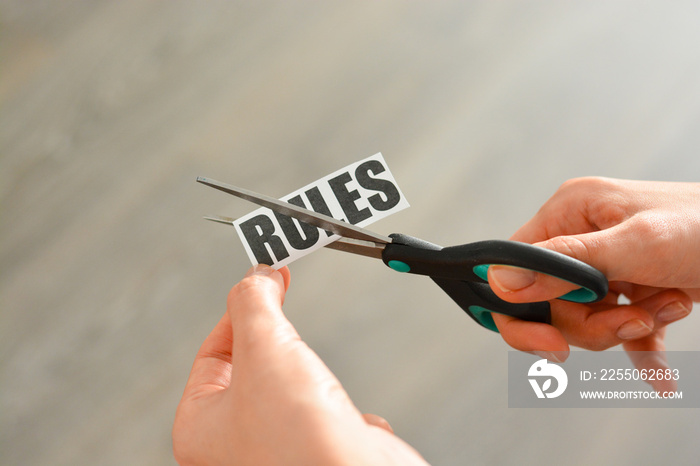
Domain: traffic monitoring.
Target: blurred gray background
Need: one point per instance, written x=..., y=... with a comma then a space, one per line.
x=110, y=279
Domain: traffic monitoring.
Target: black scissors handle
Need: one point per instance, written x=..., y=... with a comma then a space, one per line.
x=461, y=272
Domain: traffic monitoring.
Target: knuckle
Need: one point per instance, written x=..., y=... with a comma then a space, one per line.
x=246, y=285
x=592, y=341
x=595, y=344
x=586, y=184
x=571, y=246
x=603, y=201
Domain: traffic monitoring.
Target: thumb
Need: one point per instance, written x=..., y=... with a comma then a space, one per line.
x=608, y=251
x=255, y=307
x=212, y=366
x=378, y=421
x=268, y=352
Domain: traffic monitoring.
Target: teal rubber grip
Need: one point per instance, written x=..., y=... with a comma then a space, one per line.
x=484, y=317
x=399, y=266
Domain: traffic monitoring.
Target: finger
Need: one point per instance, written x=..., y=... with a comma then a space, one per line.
x=520, y=285
x=674, y=310
x=268, y=352
x=694, y=293
x=377, y=421
x=533, y=337
x=649, y=354
x=595, y=327
x=632, y=291
x=255, y=308
x=678, y=304
x=601, y=326
x=611, y=251
x=580, y=205
x=286, y=276
x=211, y=370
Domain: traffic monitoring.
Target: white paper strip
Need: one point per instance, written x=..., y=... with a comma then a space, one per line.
x=360, y=194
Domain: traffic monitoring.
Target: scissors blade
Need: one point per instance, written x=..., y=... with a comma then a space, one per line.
x=363, y=248
x=354, y=246
x=303, y=215
x=220, y=219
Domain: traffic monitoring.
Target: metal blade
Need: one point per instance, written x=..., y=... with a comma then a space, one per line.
x=363, y=248
x=220, y=219
x=303, y=215
x=354, y=246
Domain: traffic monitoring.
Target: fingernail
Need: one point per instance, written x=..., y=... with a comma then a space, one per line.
x=550, y=356
x=260, y=269
x=509, y=279
x=633, y=329
x=672, y=312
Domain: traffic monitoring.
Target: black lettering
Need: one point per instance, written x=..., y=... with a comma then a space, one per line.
x=318, y=204
x=258, y=231
x=290, y=230
x=347, y=198
x=375, y=184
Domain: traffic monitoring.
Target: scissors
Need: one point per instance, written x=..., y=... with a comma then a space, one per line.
x=461, y=271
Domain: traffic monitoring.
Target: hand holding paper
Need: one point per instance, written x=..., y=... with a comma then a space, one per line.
x=257, y=394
